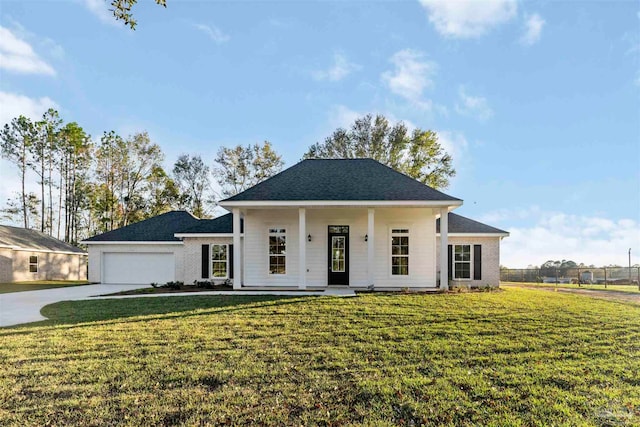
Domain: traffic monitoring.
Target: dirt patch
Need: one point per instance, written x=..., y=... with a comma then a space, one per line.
x=609, y=295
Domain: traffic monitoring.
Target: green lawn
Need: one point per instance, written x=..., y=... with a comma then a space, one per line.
x=619, y=288
x=516, y=357
x=6, y=288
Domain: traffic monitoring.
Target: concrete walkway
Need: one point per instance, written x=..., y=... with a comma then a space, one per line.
x=24, y=307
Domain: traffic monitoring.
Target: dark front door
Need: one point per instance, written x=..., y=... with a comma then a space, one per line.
x=338, y=255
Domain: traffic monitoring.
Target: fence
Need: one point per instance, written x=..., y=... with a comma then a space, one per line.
x=603, y=276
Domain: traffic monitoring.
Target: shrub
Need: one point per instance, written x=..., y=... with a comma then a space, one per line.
x=174, y=285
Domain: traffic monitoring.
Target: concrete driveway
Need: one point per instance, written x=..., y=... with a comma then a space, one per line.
x=24, y=307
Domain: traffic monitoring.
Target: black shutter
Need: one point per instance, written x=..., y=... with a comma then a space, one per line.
x=450, y=262
x=477, y=262
x=205, y=261
x=230, y=261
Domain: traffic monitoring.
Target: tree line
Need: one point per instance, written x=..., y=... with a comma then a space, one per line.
x=88, y=186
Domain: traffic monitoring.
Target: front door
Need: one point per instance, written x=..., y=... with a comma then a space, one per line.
x=339, y=255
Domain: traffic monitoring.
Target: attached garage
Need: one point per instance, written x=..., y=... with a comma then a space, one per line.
x=141, y=253
x=138, y=268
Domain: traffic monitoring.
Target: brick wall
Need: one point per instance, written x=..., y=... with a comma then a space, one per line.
x=490, y=260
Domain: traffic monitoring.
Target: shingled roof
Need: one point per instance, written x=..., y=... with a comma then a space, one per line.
x=340, y=179
x=221, y=225
x=461, y=224
x=24, y=238
x=159, y=228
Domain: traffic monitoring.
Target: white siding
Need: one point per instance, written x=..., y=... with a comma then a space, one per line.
x=420, y=221
x=256, y=239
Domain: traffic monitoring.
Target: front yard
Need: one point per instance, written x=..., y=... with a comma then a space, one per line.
x=6, y=288
x=516, y=357
x=609, y=288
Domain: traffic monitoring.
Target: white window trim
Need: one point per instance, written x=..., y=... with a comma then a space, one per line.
x=286, y=249
x=211, y=276
x=34, y=263
x=391, y=255
x=453, y=262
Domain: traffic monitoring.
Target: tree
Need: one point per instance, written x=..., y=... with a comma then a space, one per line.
x=16, y=208
x=76, y=152
x=109, y=155
x=141, y=158
x=16, y=140
x=549, y=268
x=192, y=177
x=417, y=154
x=241, y=167
x=125, y=169
x=50, y=129
x=122, y=11
x=163, y=193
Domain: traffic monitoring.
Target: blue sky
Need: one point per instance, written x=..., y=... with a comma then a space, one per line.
x=539, y=102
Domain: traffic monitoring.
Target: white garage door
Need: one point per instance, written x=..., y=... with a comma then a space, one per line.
x=135, y=268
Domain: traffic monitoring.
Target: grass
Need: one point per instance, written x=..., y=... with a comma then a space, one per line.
x=6, y=288
x=518, y=357
x=618, y=288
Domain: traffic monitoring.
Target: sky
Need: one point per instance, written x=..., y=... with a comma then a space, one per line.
x=538, y=102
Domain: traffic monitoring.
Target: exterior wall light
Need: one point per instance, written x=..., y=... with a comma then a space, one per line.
x=366, y=237
x=309, y=238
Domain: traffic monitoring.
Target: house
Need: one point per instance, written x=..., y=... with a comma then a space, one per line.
x=341, y=222
x=28, y=255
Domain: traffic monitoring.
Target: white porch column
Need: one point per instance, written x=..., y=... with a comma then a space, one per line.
x=237, y=250
x=370, y=245
x=302, y=247
x=444, y=249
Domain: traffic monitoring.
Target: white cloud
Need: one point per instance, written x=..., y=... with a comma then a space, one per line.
x=214, y=33
x=13, y=105
x=340, y=69
x=100, y=9
x=18, y=56
x=55, y=50
x=454, y=143
x=556, y=236
x=474, y=106
x=411, y=76
x=533, y=30
x=342, y=117
x=468, y=18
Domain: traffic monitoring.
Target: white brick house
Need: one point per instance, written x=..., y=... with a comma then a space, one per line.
x=320, y=223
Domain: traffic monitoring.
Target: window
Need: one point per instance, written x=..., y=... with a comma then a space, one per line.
x=338, y=254
x=400, y=252
x=462, y=261
x=33, y=264
x=219, y=261
x=277, y=251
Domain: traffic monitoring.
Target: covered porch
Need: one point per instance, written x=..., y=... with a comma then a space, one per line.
x=353, y=246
